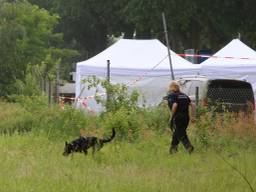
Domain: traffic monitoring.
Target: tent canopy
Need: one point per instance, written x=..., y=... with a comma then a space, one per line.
x=137, y=54
x=144, y=62
x=136, y=57
x=234, y=54
x=234, y=61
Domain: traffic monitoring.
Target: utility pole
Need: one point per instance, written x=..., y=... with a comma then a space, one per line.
x=239, y=35
x=168, y=46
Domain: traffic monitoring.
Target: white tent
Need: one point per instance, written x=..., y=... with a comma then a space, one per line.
x=140, y=64
x=235, y=60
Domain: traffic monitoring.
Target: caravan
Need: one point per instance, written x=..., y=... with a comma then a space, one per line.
x=220, y=94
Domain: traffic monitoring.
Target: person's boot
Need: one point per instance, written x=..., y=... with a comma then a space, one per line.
x=190, y=149
x=186, y=143
x=173, y=149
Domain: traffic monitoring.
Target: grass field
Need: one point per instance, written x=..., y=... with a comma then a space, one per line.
x=35, y=163
x=32, y=137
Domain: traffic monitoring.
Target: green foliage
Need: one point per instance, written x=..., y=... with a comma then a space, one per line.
x=126, y=122
x=156, y=118
x=24, y=115
x=203, y=127
x=27, y=39
x=28, y=87
x=33, y=104
x=35, y=163
x=48, y=67
x=191, y=23
x=34, y=114
x=14, y=118
x=117, y=95
x=68, y=122
x=121, y=107
x=84, y=25
x=66, y=64
x=144, y=14
x=122, y=114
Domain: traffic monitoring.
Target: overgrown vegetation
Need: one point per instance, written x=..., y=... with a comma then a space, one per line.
x=35, y=163
x=35, y=41
x=32, y=136
x=32, y=114
x=30, y=48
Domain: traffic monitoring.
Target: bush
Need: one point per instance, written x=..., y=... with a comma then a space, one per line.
x=117, y=95
x=156, y=118
x=34, y=114
x=67, y=122
x=14, y=118
x=126, y=123
x=218, y=130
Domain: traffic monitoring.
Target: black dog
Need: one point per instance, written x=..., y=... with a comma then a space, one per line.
x=83, y=143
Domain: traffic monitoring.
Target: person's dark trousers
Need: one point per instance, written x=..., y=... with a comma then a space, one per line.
x=180, y=124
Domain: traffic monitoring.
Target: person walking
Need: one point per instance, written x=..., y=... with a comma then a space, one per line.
x=179, y=103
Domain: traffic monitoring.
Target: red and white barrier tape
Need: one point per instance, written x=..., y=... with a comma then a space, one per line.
x=216, y=57
x=144, y=74
x=85, y=99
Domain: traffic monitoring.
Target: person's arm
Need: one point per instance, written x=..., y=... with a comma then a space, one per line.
x=174, y=108
x=172, y=112
x=172, y=102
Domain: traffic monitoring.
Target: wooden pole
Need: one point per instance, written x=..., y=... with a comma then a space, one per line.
x=168, y=46
x=108, y=79
x=197, y=101
x=108, y=70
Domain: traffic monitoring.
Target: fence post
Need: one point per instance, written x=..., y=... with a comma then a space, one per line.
x=108, y=79
x=57, y=91
x=197, y=101
x=108, y=70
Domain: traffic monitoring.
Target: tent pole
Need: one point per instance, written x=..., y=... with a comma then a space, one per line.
x=168, y=46
x=108, y=80
x=108, y=70
x=80, y=94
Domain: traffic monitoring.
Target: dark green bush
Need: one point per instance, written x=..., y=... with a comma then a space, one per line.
x=156, y=118
x=125, y=122
x=34, y=114
x=14, y=118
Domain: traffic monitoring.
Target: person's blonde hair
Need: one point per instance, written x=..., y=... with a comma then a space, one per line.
x=174, y=86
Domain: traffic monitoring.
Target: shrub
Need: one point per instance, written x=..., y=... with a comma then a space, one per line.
x=126, y=123
x=121, y=108
x=156, y=118
x=14, y=118
x=34, y=114
x=214, y=129
x=118, y=96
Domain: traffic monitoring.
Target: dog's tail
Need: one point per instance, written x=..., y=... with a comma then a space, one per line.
x=105, y=140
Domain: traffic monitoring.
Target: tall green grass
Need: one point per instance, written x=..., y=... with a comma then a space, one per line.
x=33, y=135
x=35, y=163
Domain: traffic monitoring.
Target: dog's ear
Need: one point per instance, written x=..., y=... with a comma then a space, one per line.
x=66, y=143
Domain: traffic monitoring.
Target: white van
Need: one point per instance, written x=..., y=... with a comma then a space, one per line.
x=222, y=94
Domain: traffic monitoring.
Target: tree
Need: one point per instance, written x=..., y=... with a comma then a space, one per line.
x=83, y=25
x=191, y=24
x=26, y=38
